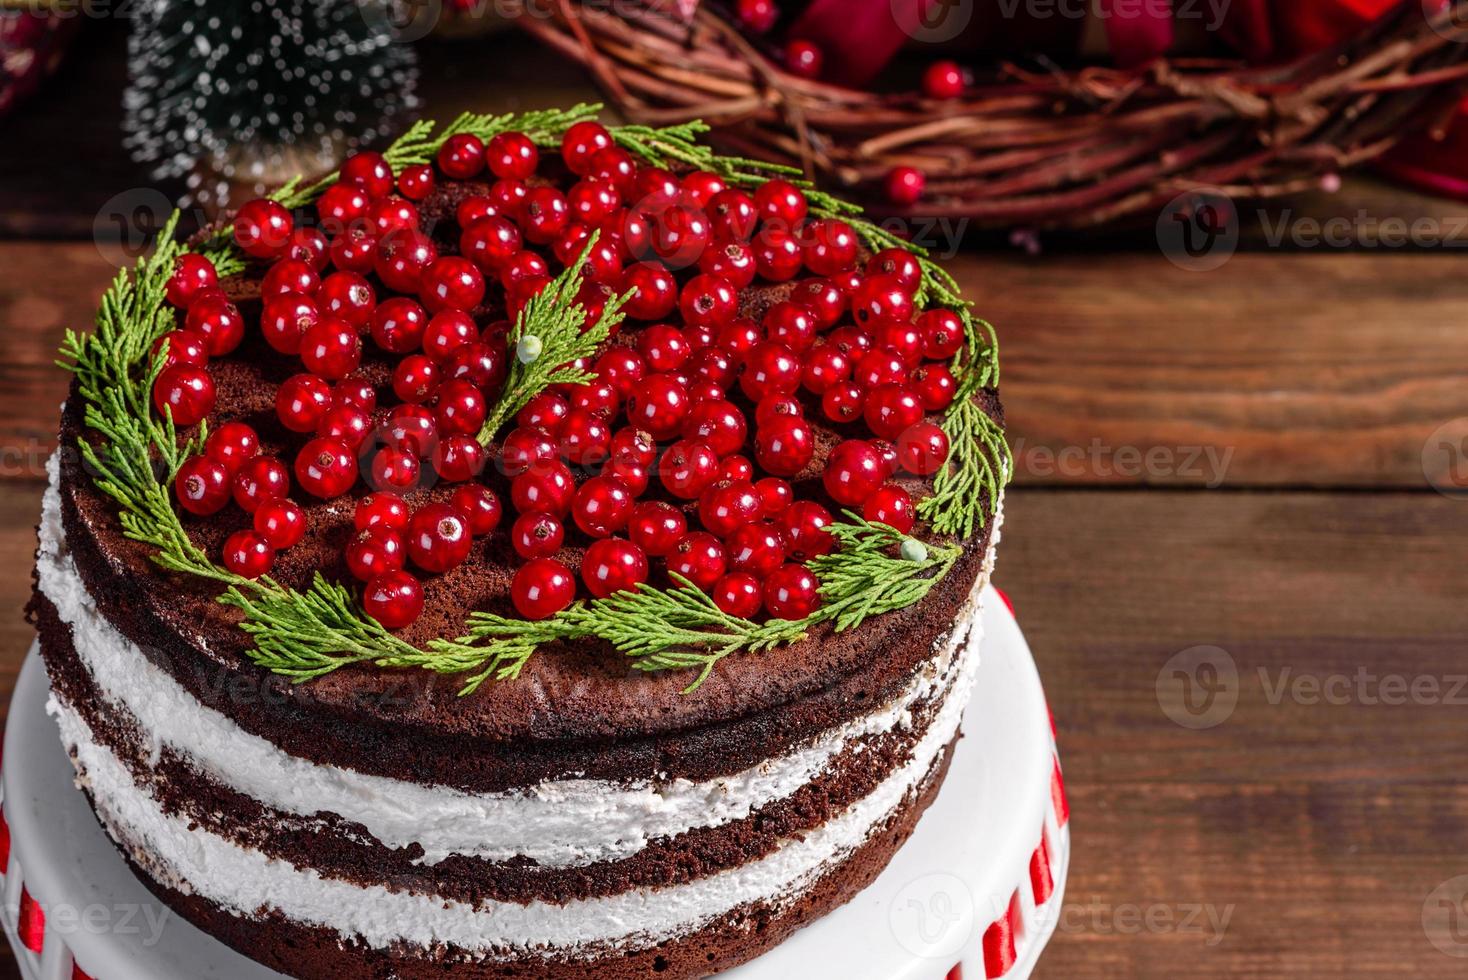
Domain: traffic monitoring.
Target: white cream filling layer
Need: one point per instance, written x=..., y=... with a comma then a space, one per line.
x=567, y=822
x=246, y=881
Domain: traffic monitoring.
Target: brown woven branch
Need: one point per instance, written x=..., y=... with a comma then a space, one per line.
x=1045, y=149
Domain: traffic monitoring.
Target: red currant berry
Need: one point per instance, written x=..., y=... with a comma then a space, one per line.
x=596, y=397
x=879, y=367
x=785, y=447
x=395, y=470
x=545, y=411
x=733, y=215
x=700, y=186
x=935, y=387
x=719, y=424
x=354, y=250
x=262, y=228
x=398, y=325
x=632, y=474
x=656, y=527
x=386, y=510
x=390, y=215
x=853, y=473
x=548, y=487
x=247, y=554
x=537, y=535
x=601, y=506
x=285, y=319
x=458, y=458
x=218, y=321
x=302, y=401
x=890, y=409
x=492, y=243
x=374, y=551
x=326, y=468
x=461, y=408
x=202, y=486
x=688, y=467
x=879, y=297
x=415, y=379
x=708, y=301
x=775, y=496
x=281, y=522
x=613, y=565
x=792, y=592
x=732, y=261
x=777, y=255
x=259, y=479
x=922, y=449
x=181, y=347
x=592, y=200
x=776, y=408
x=770, y=369
x=446, y=333
x=451, y=282
x=461, y=156
x=634, y=445
x=582, y=142
x=757, y=548
x=544, y=215
x=890, y=505
x=584, y=438
x=526, y=447
x=825, y=366
x=184, y=391
x=715, y=365
x=659, y=406
x=368, y=170
x=780, y=203
x=394, y=599
x=508, y=195
x=887, y=453
x=902, y=338
x=410, y=429
x=654, y=291
x=826, y=300
x=804, y=59
x=416, y=182
x=480, y=505
x=736, y=468
x=341, y=206
x=663, y=347
x=791, y=325
x=698, y=557
x=347, y=296
x=401, y=258
x=899, y=264
x=232, y=445
x=616, y=165
x=905, y=186
x=804, y=525
x=331, y=348
x=757, y=17
x=289, y=276
x=541, y=588
x=738, y=594
x=739, y=337
x=828, y=246
x=439, y=537
x=850, y=340
x=191, y=273
x=942, y=332
x=943, y=80
x=843, y=402
x=512, y=155
x=479, y=364
x=308, y=245
x=727, y=505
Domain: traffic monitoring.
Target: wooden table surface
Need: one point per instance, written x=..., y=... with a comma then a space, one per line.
x=1231, y=459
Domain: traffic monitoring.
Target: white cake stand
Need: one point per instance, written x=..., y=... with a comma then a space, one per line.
x=974, y=894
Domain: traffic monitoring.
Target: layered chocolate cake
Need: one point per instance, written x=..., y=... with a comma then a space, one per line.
x=562, y=560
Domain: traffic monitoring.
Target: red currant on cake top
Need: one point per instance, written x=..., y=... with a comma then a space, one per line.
x=281, y=522
x=248, y=554
x=369, y=171
x=232, y=445
x=537, y=535
x=613, y=565
x=512, y=155
x=541, y=588
x=394, y=599
x=373, y=551
x=259, y=479
x=439, y=537
x=853, y=472
x=184, y=392
x=191, y=273
x=792, y=592
x=262, y=228
x=727, y=505
x=308, y=245
x=698, y=557
x=922, y=449
x=458, y=457
x=381, y=510
x=213, y=317
x=784, y=447
x=738, y=594
x=326, y=468
x=688, y=468
x=548, y=487
x=582, y=142
x=331, y=348
x=480, y=505
x=461, y=156
x=202, y=486
x=302, y=401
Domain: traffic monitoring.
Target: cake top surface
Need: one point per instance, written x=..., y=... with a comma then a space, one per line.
x=527, y=424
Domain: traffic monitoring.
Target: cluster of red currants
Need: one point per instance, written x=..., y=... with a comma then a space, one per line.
x=678, y=409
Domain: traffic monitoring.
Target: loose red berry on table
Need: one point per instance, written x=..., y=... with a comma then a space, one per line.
x=461, y=156
x=326, y=468
x=218, y=321
x=851, y=340
x=458, y=458
x=262, y=228
x=537, y=535
x=905, y=185
x=416, y=182
x=202, y=486
x=374, y=551
x=592, y=200
x=688, y=467
x=302, y=401
x=853, y=473
x=480, y=505
x=285, y=319
x=738, y=594
x=784, y=447
x=331, y=348
x=281, y=522
x=804, y=525
x=890, y=505
x=381, y=510
x=394, y=599
x=708, y=301
x=804, y=59
x=247, y=554
x=727, y=505
x=259, y=479
x=780, y=203
x=232, y=445
x=491, y=243
x=698, y=557
x=439, y=537
x=512, y=155
x=191, y=273
x=776, y=408
x=181, y=347
x=713, y=364
x=922, y=449
x=548, y=487
x=880, y=297
x=943, y=80
x=792, y=592
x=733, y=215
x=185, y=392
x=733, y=261
x=613, y=565
x=369, y=171
x=508, y=195
x=633, y=444
x=632, y=474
